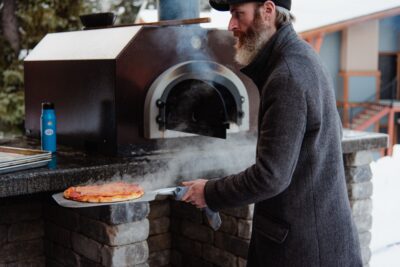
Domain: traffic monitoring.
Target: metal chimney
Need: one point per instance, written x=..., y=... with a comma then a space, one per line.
x=178, y=9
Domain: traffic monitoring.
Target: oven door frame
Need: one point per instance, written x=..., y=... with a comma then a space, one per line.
x=199, y=70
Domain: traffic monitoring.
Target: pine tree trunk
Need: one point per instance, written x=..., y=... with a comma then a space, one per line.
x=10, y=24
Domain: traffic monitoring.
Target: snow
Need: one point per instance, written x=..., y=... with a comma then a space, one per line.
x=385, y=244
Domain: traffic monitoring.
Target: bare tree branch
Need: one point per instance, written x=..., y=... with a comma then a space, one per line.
x=10, y=24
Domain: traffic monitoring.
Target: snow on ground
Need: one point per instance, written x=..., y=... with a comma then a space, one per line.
x=385, y=244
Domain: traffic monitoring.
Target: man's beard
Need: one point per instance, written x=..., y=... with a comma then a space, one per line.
x=248, y=44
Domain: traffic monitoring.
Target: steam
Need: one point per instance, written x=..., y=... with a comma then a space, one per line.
x=209, y=158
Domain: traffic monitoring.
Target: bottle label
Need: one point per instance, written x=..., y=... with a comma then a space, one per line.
x=49, y=132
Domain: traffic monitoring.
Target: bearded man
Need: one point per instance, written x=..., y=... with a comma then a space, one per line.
x=302, y=215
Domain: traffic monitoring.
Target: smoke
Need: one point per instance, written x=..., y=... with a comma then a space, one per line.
x=209, y=158
x=188, y=160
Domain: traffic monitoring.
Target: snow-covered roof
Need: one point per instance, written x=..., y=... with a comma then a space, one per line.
x=310, y=14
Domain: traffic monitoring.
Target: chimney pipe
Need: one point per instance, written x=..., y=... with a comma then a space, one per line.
x=178, y=9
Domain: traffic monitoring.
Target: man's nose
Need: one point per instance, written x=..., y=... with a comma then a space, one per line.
x=232, y=24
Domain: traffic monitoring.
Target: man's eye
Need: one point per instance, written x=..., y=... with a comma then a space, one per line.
x=238, y=14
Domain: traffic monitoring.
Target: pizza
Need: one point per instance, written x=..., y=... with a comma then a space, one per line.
x=109, y=192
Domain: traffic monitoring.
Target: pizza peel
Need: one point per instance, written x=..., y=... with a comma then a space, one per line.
x=147, y=197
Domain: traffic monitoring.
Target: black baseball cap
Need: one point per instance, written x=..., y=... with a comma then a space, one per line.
x=223, y=5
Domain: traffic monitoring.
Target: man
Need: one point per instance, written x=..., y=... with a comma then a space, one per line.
x=302, y=215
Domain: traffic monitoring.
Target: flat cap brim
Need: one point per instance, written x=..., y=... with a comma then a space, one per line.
x=224, y=5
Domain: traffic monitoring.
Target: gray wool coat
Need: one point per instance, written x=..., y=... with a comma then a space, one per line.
x=302, y=215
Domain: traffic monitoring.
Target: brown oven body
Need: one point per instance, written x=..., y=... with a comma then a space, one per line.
x=100, y=103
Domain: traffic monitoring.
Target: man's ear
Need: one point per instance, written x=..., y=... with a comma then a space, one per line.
x=269, y=9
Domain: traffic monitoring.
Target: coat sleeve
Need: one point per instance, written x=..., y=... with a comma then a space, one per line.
x=281, y=132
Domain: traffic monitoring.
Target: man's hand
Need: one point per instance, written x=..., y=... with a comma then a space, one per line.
x=195, y=193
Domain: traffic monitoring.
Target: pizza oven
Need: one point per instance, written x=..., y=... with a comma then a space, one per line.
x=127, y=90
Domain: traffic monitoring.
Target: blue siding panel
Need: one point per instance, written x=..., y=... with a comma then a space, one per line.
x=389, y=34
x=330, y=55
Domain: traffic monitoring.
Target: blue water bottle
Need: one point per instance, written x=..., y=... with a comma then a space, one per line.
x=48, y=127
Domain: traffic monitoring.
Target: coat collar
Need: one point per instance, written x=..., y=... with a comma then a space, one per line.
x=259, y=69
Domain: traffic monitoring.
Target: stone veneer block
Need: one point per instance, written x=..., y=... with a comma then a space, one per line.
x=25, y=231
x=245, y=212
x=86, y=247
x=358, y=174
x=57, y=234
x=159, y=209
x=358, y=159
x=175, y=225
x=20, y=212
x=229, y=224
x=51, y=263
x=187, y=246
x=115, y=235
x=365, y=238
x=118, y=213
x=3, y=234
x=183, y=210
x=245, y=228
x=159, y=258
x=62, y=216
x=176, y=258
x=159, y=242
x=360, y=190
x=361, y=207
x=197, y=232
x=232, y=244
x=159, y=226
x=363, y=222
x=122, y=256
x=242, y=262
x=184, y=260
x=37, y=262
x=58, y=254
x=365, y=255
x=22, y=250
x=83, y=262
x=219, y=257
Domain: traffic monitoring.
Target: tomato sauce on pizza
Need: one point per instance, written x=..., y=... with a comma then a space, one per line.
x=109, y=192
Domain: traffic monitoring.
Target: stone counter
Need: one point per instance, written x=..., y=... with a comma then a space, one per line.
x=34, y=231
x=74, y=167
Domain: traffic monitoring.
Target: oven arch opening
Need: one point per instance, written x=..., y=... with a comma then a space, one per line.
x=196, y=97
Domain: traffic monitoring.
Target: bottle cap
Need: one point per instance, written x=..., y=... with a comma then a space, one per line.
x=47, y=105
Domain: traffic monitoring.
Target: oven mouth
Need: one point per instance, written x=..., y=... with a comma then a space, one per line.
x=196, y=97
x=198, y=107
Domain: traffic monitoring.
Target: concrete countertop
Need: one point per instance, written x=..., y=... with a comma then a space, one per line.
x=74, y=167
x=354, y=141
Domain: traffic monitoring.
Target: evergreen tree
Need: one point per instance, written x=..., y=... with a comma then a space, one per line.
x=23, y=24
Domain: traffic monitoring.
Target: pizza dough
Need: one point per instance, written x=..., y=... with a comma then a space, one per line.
x=109, y=192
